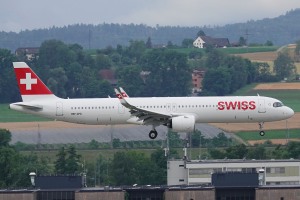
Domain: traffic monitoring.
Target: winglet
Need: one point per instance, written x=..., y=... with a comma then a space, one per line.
x=120, y=97
x=124, y=94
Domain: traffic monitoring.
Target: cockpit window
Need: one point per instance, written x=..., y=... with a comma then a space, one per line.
x=277, y=104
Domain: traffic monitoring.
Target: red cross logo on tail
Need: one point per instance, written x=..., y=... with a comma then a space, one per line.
x=28, y=81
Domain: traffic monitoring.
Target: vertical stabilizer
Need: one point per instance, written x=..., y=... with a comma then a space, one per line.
x=30, y=85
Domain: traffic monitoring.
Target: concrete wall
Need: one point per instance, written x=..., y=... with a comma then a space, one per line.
x=278, y=193
x=17, y=196
x=190, y=195
x=99, y=195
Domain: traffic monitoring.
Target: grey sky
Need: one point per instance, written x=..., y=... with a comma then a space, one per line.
x=16, y=15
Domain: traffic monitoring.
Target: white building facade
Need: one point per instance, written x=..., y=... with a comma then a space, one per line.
x=199, y=43
x=276, y=172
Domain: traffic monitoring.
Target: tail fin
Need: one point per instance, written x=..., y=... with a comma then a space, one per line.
x=30, y=85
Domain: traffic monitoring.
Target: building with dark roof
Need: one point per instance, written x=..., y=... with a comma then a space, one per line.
x=205, y=41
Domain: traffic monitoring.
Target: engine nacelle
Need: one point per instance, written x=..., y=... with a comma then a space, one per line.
x=183, y=123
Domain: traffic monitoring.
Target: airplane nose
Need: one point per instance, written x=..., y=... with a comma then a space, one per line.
x=289, y=112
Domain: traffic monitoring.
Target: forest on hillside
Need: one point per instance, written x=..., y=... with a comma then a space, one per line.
x=281, y=30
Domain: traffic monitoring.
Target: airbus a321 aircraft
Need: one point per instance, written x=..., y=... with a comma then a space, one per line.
x=177, y=113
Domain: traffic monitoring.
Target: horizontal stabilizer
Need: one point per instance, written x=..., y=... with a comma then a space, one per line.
x=27, y=105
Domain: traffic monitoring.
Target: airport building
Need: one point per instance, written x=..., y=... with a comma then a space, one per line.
x=188, y=180
x=275, y=172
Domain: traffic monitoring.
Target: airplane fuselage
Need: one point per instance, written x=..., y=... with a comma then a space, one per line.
x=104, y=111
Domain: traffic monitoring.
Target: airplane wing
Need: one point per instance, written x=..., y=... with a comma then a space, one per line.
x=146, y=116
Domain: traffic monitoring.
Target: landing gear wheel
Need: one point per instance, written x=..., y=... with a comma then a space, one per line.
x=153, y=134
x=261, y=133
x=261, y=126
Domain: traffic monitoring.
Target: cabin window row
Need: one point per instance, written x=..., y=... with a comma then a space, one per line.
x=180, y=106
x=92, y=108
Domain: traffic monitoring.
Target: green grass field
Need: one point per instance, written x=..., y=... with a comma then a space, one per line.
x=271, y=134
x=240, y=50
x=7, y=115
x=230, y=50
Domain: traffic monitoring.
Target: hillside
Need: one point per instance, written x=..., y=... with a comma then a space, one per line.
x=281, y=30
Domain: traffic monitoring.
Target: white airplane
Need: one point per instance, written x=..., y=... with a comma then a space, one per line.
x=177, y=113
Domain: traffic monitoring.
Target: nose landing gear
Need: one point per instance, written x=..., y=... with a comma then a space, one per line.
x=261, y=132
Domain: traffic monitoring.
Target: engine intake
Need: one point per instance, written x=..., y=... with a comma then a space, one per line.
x=182, y=123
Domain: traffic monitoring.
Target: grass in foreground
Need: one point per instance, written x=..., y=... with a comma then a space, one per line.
x=271, y=134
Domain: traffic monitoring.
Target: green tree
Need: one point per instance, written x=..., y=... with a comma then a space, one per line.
x=102, y=62
x=195, y=54
x=236, y=152
x=221, y=140
x=129, y=168
x=73, y=164
x=187, y=43
x=8, y=85
x=258, y=152
x=238, y=71
x=293, y=149
x=60, y=163
x=169, y=69
x=174, y=139
x=135, y=50
x=264, y=73
x=90, y=84
x=55, y=53
x=116, y=143
x=57, y=81
x=149, y=43
x=93, y=144
x=124, y=168
x=242, y=41
x=217, y=81
x=200, y=33
x=215, y=59
x=216, y=153
x=284, y=66
x=27, y=164
x=101, y=170
x=8, y=166
x=269, y=43
x=197, y=138
x=5, y=137
x=129, y=77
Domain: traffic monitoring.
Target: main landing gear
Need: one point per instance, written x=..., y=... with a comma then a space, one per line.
x=153, y=134
x=261, y=132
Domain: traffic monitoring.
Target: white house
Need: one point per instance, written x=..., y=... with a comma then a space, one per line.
x=199, y=43
x=203, y=41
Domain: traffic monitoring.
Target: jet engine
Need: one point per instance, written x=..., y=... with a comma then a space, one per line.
x=182, y=123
